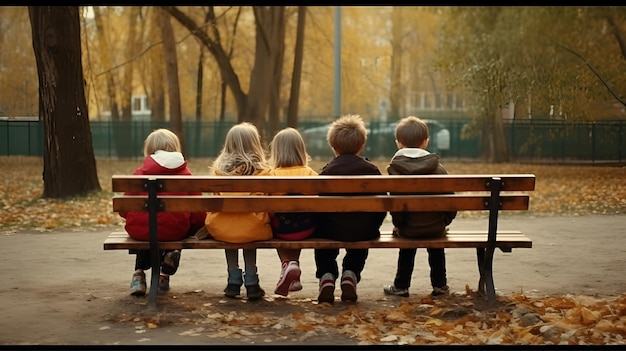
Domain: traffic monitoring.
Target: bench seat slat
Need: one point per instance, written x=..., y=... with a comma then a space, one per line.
x=380, y=203
x=454, y=239
x=435, y=183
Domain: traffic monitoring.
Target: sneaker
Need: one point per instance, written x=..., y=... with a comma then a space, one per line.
x=289, y=273
x=164, y=283
x=232, y=290
x=327, y=289
x=392, y=290
x=439, y=291
x=348, y=286
x=138, y=284
x=295, y=285
x=254, y=292
x=170, y=262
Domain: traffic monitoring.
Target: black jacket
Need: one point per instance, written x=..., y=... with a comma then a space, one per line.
x=350, y=226
x=415, y=161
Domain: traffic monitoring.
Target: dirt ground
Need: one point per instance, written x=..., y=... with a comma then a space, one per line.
x=62, y=288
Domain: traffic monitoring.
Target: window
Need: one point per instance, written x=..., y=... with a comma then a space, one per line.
x=140, y=104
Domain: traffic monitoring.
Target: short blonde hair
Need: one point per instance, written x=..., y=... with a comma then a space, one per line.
x=161, y=139
x=287, y=149
x=347, y=135
x=243, y=153
x=411, y=131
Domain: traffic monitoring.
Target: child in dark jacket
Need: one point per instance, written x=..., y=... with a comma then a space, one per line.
x=162, y=155
x=413, y=159
x=346, y=137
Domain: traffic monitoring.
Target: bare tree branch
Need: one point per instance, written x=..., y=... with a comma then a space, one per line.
x=595, y=71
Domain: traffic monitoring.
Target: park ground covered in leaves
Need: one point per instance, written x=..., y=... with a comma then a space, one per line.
x=461, y=318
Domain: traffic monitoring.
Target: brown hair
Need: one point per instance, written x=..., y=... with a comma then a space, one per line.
x=411, y=131
x=287, y=149
x=161, y=139
x=347, y=135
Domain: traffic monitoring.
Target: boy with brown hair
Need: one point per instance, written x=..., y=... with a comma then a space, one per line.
x=346, y=137
x=413, y=159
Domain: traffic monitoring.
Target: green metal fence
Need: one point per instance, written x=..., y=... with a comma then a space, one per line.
x=528, y=140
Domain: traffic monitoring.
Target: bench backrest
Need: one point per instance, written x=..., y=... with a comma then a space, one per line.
x=463, y=192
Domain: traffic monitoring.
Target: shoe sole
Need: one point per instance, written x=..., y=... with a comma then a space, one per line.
x=170, y=262
x=257, y=296
x=295, y=287
x=348, y=292
x=290, y=276
x=138, y=293
x=327, y=294
x=392, y=294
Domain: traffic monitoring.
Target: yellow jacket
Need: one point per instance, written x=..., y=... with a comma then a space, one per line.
x=239, y=227
x=293, y=171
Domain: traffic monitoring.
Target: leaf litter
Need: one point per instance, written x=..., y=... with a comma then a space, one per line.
x=462, y=318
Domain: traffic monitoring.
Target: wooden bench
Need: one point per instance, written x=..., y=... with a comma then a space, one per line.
x=474, y=192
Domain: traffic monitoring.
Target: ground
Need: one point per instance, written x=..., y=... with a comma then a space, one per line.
x=62, y=288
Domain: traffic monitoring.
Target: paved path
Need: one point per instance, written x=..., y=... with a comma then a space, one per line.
x=47, y=276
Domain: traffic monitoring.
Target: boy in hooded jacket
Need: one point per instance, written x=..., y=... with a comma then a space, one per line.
x=412, y=158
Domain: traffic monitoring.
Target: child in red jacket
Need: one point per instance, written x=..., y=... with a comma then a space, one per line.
x=162, y=152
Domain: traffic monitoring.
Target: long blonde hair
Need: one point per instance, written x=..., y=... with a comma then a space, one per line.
x=287, y=149
x=243, y=153
x=161, y=139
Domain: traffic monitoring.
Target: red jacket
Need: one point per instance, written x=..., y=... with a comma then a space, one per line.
x=171, y=225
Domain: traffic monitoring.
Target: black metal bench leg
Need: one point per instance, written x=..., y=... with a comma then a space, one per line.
x=480, y=258
x=155, y=253
x=487, y=275
x=154, y=278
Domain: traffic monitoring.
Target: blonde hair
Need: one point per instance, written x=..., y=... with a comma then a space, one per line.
x=287, y=149
x=347, y=135
x=161, y=139
x=243, y=153
x=411, y=131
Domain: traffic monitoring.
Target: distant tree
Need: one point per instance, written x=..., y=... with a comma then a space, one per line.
x=69, y=166
x=252, y=105
x=171, y=69
x=296, y=76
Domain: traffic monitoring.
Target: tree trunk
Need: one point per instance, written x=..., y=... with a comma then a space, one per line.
x=156, y=94
x=126, y=87
x=274, y=102
x=171, y=68
x=294, y=96
x=69, y=166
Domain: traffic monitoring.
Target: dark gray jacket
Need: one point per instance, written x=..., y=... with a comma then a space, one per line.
x=415, y=161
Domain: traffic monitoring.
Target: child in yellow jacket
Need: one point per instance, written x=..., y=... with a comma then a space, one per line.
x=242, y=155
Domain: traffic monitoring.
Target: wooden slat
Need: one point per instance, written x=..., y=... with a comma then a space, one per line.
x=454, y=239
x=326, y=184
x=380, y=203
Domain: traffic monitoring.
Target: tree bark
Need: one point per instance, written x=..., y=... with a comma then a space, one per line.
x=171, y=68
x=69, y=167
x=294, y=95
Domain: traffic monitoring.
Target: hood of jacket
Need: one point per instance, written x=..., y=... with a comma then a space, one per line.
x=413, y=161
x=163, y=162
